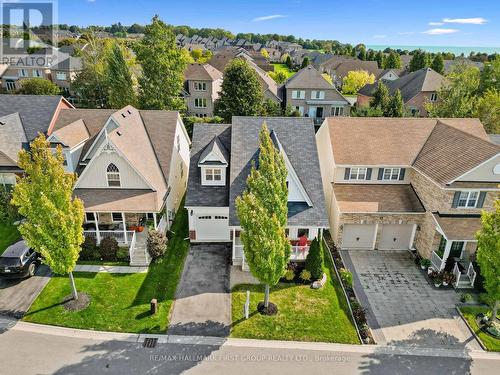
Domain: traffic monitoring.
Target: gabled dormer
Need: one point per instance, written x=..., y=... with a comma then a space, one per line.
x=213, y=163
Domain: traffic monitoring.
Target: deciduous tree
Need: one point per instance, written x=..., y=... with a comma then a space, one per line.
x=119, y=80
x=488, y=111
x=355, y=80
x=39, y=86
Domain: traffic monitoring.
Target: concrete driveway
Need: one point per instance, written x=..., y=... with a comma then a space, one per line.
x=403, y=309
x=16, y=296
x=203, y=301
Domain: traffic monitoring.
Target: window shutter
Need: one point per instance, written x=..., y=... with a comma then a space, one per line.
x=368, y=173
x=347, y=172
x=402, y=174
x=456, y=197
x=380, y=173
x=480, y=202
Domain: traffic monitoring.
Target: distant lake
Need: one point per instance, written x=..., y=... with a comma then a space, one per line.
x=453, y=49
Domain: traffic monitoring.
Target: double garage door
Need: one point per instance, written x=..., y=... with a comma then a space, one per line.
x=392, y=236
x=212, y=228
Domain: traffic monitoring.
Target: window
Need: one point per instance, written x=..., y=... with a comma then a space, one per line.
x=303, y=232
x=61, y=76
x=357, y=174
x=37, y=73
x=11, y=85
x=337, y=111
x=433, y=97
x=113, y=175
x=200, y=86
x=89, y=216
x=298, y=94
x=213, y=174
x=391, y=174
x=116, y=216
x=23, y=73
x=468, y=199
x=200, y=103
x=317, y=94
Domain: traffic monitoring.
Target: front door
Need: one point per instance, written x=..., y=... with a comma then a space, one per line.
x=319, y=112
x=456, y=249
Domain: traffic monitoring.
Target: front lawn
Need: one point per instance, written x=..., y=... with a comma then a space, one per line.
x=304, y=314
x=469, y=313
x=283, y=68
x=8, y=235
x=119, y=302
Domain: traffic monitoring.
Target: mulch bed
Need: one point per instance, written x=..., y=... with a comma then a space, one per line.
x=272, y=309
x=81, y=303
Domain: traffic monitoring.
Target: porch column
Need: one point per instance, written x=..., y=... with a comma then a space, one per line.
x=124, y=228
x=234, y=245
x=446, y=253
x=97, y=234
x=154, y=219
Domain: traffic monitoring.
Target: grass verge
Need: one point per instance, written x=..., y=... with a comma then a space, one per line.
x=119, y=302
x=8, y=235
x=469, y=313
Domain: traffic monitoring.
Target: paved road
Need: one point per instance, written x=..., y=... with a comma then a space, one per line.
x=203, y=303
x=403, y=307
x=16, y=296
x=35, y=353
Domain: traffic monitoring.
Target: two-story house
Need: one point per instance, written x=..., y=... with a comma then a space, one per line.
x=221, y=160
x=309, y=93
x=417, y=89
x=408, y=183
x=202, y=85
x=64, y=72
x=132, y=168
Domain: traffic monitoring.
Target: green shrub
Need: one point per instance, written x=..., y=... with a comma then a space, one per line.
x=89, y=249
x=346, y=277
x=156, y=244
x=289, y=274
x=314, y=259
x=305, y=275
x=108, y=249
x=425, y=262
x=486, y=299
x=8, y=212
x=465, y=297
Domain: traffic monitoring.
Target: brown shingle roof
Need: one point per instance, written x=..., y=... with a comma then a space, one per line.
x=120, y=200
x=377, y=198
x=202, y=72
x=459, y=227
x=72, y=134
x=308, y=78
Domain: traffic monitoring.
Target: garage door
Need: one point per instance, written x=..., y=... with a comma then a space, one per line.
x=212, y=228
x=395, y=237
x=358, y=236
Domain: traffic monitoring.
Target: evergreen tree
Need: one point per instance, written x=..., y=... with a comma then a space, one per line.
x=288, y=62
x=314, y=259
x=119, y=80
x=362, y=54
x=263, y=211
x=381, y=97
x=163, y=65
x=438, y=63
x=380, y=59
x=54, y=219
x=241, y=93
x=419, y=60
x=395, y=107
x=305, y=62
x=393, y=61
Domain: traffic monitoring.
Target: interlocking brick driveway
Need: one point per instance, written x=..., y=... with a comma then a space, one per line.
x=402, y=307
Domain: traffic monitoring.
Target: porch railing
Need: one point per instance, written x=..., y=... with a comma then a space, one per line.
x=299, y=252
x=471, y=272
x=162, y=225
x=437, y=262
x=118, y=235
x=132, y=247
x=457, y=273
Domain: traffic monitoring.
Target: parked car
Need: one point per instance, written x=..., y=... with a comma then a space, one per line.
x=18, y=261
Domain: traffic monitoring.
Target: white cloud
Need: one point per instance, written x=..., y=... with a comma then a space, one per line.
x=406, y=33
x=267, y=18
x=435, y=23
x=379, y=36
x=440, y=31
x=470, y=21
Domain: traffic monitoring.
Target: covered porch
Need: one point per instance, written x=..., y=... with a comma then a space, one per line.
x=456, y=246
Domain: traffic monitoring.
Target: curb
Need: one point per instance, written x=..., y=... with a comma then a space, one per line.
x=471, y=330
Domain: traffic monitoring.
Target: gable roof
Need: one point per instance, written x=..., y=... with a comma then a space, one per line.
x=72, y=134
x=12, y=138
x=217, y=148
x=71, y=64
x=423, y=80
x=36, y=111
x=308, y=78
x=202, y=72
x=450, y=152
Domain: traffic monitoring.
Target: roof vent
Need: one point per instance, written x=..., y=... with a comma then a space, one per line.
x=119, y=134
x=129, y=111
x=124, y=115
x=2, y=123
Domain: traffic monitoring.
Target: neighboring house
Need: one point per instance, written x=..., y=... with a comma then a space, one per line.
x=22, y=118
x=409, y=183
x=132, y=168
x=417, y=89
x=221, y=159
x=64, y=72
x=202, y=85
x=309, y=93
x=449, y=65
x=339, y=66
x=390, y=74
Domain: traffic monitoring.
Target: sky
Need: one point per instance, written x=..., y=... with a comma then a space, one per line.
x=372, y=22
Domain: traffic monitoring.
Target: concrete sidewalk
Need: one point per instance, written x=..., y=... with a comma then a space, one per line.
x=110, y=269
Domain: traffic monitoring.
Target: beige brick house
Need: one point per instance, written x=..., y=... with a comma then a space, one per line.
x=408, y=184
x=202, y=85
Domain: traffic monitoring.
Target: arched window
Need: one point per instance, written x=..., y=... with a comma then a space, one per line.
x=113, y=174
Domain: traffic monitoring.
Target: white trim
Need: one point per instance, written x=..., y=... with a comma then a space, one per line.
x=468, y=191
x=381, y=213
x=412, y=237
x=375, y=236
x=373, y=166
x=476, y=167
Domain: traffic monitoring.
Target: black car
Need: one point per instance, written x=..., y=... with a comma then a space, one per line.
x=18, y=261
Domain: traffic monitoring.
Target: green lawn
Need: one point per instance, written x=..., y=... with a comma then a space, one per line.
x=469, y=313
x=304, y=314
x=119, y=302
x=8, y=235
x=283, y=68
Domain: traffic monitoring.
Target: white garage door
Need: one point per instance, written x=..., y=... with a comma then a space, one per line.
x=212, y=228
x=358, y=236
x=395, y=237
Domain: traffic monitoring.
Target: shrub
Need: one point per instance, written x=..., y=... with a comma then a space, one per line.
x=425, y=262
x=89, y=249
x=7, y=210
x=314, y=259
x=359, y=313
x=289, y=274
x=465, y=298
x=108, y=249
x=156, y=244
x=346, y=277
x=305, y=275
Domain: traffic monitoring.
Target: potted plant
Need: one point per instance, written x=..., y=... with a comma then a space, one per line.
x=448, y=278
x=139, y=228
x=424, y=263
x=437, y=278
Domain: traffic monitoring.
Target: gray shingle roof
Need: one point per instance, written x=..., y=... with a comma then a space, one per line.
x=297, y=138
x=206, y=196
x=36, y=111
x=308, y=78
x=71, y=64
